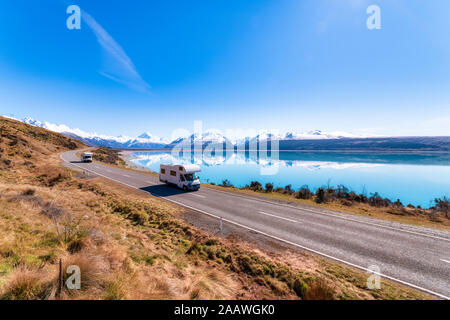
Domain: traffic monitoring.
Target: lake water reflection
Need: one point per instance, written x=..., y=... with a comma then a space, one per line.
x=412, y=178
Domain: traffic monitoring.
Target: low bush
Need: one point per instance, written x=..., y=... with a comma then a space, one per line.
x=114, y=290
x=321, y=196
x=286, y=190
x=269, y=187
x=50, y=176
x=280, y=190
x=24, y=284
x=226, y=183
x=304, y=193
x=346, y=202
x=398, y=204
x=300, y=288
x=341, y=192
x=92, y=269
x=377, y=201
x=139, y=217
x=289, y=189
x=318, y=289
x=443, y=206
x=36, y=200
x=76, y=246
x=29, y=192
x=108, y=156
x=255, y=186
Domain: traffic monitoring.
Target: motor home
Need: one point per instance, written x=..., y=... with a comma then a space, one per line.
x=183, y=176
x=86, y=157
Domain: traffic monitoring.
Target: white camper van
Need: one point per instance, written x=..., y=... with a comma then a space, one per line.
x=86, y=157
x=183, y=176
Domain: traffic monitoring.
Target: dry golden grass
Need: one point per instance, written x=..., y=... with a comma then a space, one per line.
x=26, y=284
x=124, y=260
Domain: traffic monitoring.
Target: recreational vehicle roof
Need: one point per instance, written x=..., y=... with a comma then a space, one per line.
x=183, y=168
x=191, y=168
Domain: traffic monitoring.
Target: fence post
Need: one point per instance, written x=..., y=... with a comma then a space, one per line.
x=60, y=279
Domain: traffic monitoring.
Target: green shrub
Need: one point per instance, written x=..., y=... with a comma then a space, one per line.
x=139, y=217
x=76, y=246
x=304, y=193
x=443, y=206
x=226, y=183
x=255, y=186
x=321, y=195
x=289, y=189
x=211, y=242
x=300, y=288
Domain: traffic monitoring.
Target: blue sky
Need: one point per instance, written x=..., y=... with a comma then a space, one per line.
x=155, y=66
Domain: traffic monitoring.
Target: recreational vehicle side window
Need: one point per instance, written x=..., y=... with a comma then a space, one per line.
x=163, y=171
x=173, y=173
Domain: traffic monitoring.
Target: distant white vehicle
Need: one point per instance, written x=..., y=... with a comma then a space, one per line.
x=86, y=157
x=183, y=176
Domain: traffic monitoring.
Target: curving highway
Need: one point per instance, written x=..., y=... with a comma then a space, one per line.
x=415, y=256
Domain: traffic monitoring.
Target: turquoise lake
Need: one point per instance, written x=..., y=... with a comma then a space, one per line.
x=413, y=178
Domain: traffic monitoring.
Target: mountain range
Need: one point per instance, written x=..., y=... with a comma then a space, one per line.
x=148, y=141
x=289, y=141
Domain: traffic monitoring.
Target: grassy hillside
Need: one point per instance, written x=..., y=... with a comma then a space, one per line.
x=129, y=245
x=107, y=156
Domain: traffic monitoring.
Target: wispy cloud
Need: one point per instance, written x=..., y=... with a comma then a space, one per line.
x=117, y=65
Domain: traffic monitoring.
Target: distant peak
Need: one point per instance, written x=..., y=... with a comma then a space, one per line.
x=32, y=121
x=145, y=135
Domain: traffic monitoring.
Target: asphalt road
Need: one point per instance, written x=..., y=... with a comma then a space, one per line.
x=415, y=256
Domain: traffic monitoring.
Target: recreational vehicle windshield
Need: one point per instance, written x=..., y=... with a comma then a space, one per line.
x=182, y=176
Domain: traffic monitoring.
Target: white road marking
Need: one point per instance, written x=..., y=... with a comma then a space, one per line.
x=125, y=175
x=278, y=217
x=198, y=195
x=151, y=182
x=445, y=260
x=277, y=238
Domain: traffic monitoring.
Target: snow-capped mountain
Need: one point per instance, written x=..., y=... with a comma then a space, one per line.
x=149, y=141
x=145, y=140
x=206, y=138
x=318, y=134
x=148, y=137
